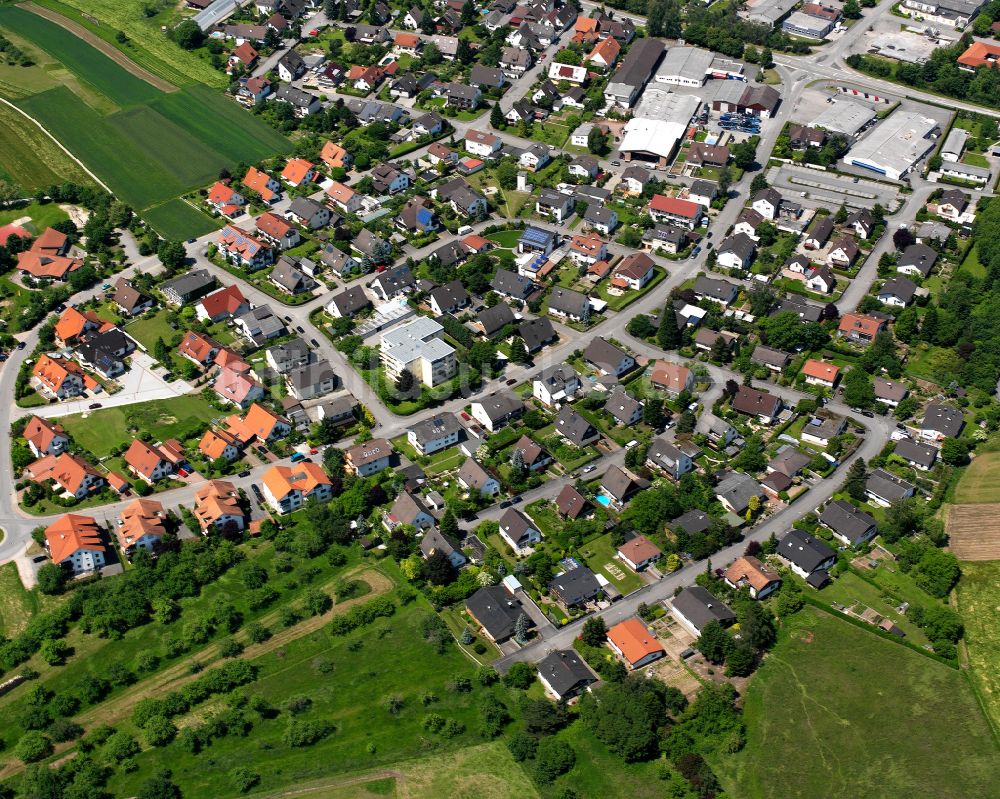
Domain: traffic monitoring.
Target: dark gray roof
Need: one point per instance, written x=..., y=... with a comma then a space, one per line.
x=350, y=301
x=721, y=290
x=694, y=521
x=888, y=486
x=920, y=257
x=737, y=489
x=574, y=427
x=451, y=294
x=438, y=426
x=664, y=454
x=899, y=287
x=807, y=311
x=568, y=301
x=511, y=284
x=604, y=354
x=889, y=390
x=943, y=419
x=500, y=405
x=433, y=541
x=565, y=671
x=921, y=454
x=405, y=510
x=312, y=374
x=804, y=551
x=770, y=357
x=496, y=318
x=536, y=332
x=622, y=405
x=848, y=521
x=496, y=609
x=789, y=461
x=699, y=607
x=575, y=586
x=193, y=283
x=620, y=483
x=740, y=244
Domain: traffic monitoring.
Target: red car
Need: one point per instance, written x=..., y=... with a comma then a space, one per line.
x=542, y=57
x=313, y=450
x=314, y=32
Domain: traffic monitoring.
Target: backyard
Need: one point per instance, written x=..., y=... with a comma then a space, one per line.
x=600, y=558
x=837, y=711
x=978, y=596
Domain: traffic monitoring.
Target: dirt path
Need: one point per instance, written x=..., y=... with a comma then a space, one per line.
x=179, y=674
x=344, y=782
x=98, y=43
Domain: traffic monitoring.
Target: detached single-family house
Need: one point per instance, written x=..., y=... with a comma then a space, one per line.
x=634, y=643
x=847, y=523
x=759, y=578
x=473, y=477
x=694, y=607
x=807, y=556
x=518, y=530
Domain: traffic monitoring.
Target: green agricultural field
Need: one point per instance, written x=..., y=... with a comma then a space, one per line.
x=101, y=72
x=153, y=146
x=978, y=596
x=31, y=159
x=147, y=44
x=101, y=431
x=981, y=480
x=177, y=219
x=220, y=124
x=837, y=711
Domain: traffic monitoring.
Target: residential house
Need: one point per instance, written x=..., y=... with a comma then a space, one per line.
x=308, y=213
x=74, y=476
x=388, y=179
x=408, y=509
x=920, y=456
x=575, y=587
x=639, y=552
x=241, y=249
x=449, y=298
x=188, y=287
x=843, y=252
x=720, y=291
x=287, y=277
x=564, y=674
x=750, y=573
x=883, y=488
x=761, y=404
x=607, y=358
x=533, y=456
x=536, y=333
x=291, y=66
x=302, y=102
x=288, y=488
x=819, y=233
x=623, y=407
x=849, y=525
x=860, y=328
x=682, y=213
x=695, y=607
x=736, y=490
x=632, y=641
x=806, y=556
x=335, y=156
x=518, y=530
x=497, y=611
x=258, y=424
x=417, y=216
x=890, y=393
x=75, y=543
x=570, y=305
x=820, y=279
x=298, y=172
x=823, y=428
x=767, y=203
x=433, y=541
x=584, y=167
x=860, y=222
x=671, y=377
x=556, y=384
x=349, y=302
x=898, y=291
x=59, y=378
x=737, y=251
x=436, y=433
x=602, y=219
x=775, y=360
x=225, y=199
x=619, y=485
x=140, y=526
x=343, y=197
x=570, y=503
x=226, y=303
x=260, y=324
x=941, y=422
x=492, y=321
x=497, y=410
x=129, y=300
x=917, y=259
x=575, y=428
x=44, y=437
x=820, y=373
x=668, y=458
x=312, y=380
x=483, y=145
x=149, y=462
x=217, y=444
x=473, y=477
x=369, y=457
x=554, y=205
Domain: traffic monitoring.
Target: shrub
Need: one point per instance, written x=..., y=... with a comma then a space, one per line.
x=33, y=747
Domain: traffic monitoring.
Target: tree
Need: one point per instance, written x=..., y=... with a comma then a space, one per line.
x=597, y=141
x=744, y=153
x=626, y=715
x=906, y=324
x=171, y=254
x=740, y=660
x=54, y=651
x=714, y=642
x=639, y=326
x=752, y=457
x=449, y=526
x=902, y=238
x=668, y=335
x=522, y=746
x=438, y=568
x=32, y=747
x=954, y=452
x=756, y=625
x=522, y=628
x=786, y=331
x=855, y=482
x=161, y=352
x=518, y=351
x=553, y=758
x=858, y=389
x=852, y=10
x=902, y=519
x=759, y=183
x=594, y=631
x=51, y=578
x=519, y=675
x=497, y=121
x=766, y=58
x=159, y=731
x=405, y=382
x=465, y=54
x=159, y=786
x=188, y=35
x=652, y=412
x=841, y=216
x=686, y=422
x=936, y=572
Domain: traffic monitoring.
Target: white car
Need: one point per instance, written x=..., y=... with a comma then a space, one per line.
x=898, y=435
x=631, y=444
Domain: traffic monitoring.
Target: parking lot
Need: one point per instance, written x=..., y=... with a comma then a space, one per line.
x=816, y=189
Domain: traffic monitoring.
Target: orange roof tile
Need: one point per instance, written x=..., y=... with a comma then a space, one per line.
x=143, y=458
x=214, y=500
x=606, y=49
x=633, y=640
x=52, y=372
x=979, y=54
x=297, y=170
x=820, y=370
x=750, y=570
x=304, y=477
x=72, y=323
x=334, y=156
x=213, y=444
x=41, y=432
x=139, y=518
x=71, y=532
x=224, y=301
x=195, y=345
x=68, y=471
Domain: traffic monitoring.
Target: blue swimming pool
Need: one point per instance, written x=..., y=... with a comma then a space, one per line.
x=603, y=500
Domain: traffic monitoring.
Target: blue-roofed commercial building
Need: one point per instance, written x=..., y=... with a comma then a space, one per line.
x=537, y=240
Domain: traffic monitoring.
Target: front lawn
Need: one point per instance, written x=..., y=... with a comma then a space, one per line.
x=620, y=301
x=507, y=239
x=147, y=330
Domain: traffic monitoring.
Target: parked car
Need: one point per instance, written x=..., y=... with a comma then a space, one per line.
x=94, y=406
x=21, y=345
x=511, y=382
x=244, y=473
x=298, y=456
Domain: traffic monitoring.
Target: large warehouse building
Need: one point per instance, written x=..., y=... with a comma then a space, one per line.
x=635, y=71
x=895, y=145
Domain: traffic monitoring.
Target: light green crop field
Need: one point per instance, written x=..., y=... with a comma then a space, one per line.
x=153, y=146
x=31, y=159
x=837, y=711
